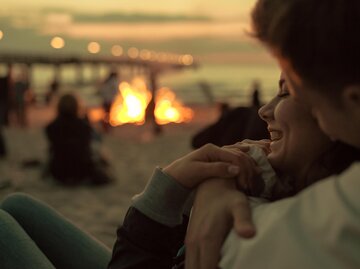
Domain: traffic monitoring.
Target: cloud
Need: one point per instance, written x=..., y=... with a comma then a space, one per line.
x=59, y=19
x=150, y=31
x=136, y=18
x=176, y=34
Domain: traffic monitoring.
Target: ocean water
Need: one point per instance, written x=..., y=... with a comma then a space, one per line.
x=231, y=83
x=227, y=83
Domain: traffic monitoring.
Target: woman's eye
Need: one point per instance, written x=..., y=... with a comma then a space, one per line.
x=283, y=89
x=283, y=94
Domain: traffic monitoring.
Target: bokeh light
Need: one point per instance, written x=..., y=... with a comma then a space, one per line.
x=117, y=50
x=163, y=57
x=186, y=59
x=57, y=42
x=153, y=56
x=94, y=47
x=145, y=55
x=1, y=34
x=133, y=52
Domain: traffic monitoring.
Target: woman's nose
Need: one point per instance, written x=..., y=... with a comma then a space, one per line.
x=266, y=112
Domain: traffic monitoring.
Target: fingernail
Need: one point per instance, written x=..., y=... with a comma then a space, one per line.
x=246, y=231
x=233, y=169
x=244, y=148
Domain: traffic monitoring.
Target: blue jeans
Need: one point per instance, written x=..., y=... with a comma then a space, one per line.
x=33, y=235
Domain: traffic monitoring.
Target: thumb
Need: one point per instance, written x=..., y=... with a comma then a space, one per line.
x=219, y=169
x=243, y=223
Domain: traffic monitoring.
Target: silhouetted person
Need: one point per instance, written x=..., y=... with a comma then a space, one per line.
x=235, y=124
x=21, y=91
x=6, y=93
x=53, y=90
x=207, y=91
x=5, y=104
x=72, y=157
x=3, y=107
x=256, y=94
x=108, y=91
x=2, y=144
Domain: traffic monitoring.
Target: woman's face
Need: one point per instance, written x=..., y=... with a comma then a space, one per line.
x=296, y=140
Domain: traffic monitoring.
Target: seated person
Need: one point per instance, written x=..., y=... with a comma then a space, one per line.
x=234, y=125
x=72, y=154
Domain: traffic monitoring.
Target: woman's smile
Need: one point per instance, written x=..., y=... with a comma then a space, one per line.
x=296, y=140
x=275, y=135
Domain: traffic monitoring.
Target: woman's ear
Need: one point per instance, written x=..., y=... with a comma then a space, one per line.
x=351, y=97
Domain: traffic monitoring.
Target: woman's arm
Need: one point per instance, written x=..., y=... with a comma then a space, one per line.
x=153, y=229
x=218, y=207
x=144, y=243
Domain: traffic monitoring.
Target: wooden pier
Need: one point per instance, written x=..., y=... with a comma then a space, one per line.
x=152, y=68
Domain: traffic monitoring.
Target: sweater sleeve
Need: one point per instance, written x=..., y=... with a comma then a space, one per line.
x=164, y=200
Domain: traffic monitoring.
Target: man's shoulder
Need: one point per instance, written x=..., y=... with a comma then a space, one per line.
x=352, y=172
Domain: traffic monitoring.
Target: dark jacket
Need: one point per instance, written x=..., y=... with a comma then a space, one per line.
x=235, y=125
x=145, y=244
x=70, y=148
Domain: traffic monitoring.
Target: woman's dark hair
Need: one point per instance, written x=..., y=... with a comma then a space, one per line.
x=68, y=106
x=339, y=157
x=335, y=160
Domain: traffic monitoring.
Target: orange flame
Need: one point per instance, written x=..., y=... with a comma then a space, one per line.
x=168, y=109
x=130, y=105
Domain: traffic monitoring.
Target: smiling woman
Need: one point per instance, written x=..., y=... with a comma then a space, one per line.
x=297, y=142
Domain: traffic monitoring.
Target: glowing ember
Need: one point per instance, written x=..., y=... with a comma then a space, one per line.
x=131, y=102
x=96, y=114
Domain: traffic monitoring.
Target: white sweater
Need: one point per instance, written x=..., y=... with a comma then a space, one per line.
x=318, y=228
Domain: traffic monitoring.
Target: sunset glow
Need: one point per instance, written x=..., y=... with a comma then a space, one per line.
x=152, y=31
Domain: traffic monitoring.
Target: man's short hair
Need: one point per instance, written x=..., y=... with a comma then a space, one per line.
x=321, y=38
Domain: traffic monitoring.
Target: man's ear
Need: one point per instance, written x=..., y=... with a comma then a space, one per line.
x=351, y=97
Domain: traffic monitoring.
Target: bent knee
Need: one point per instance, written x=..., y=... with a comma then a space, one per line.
x=6, y=220
x=15, y=202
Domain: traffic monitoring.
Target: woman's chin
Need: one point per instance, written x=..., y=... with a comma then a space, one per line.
x=274, y=160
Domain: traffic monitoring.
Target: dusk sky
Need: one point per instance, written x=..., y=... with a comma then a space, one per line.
x=213, y=8
x=212, y=30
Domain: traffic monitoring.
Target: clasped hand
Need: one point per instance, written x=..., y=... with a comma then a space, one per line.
x=219, y=206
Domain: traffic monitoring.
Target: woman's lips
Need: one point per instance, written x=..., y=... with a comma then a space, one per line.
x=275, y=135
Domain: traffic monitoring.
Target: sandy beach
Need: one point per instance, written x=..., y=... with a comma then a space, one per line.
x=133, y=151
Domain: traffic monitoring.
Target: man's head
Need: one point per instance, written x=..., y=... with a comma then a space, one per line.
x=317, y=44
